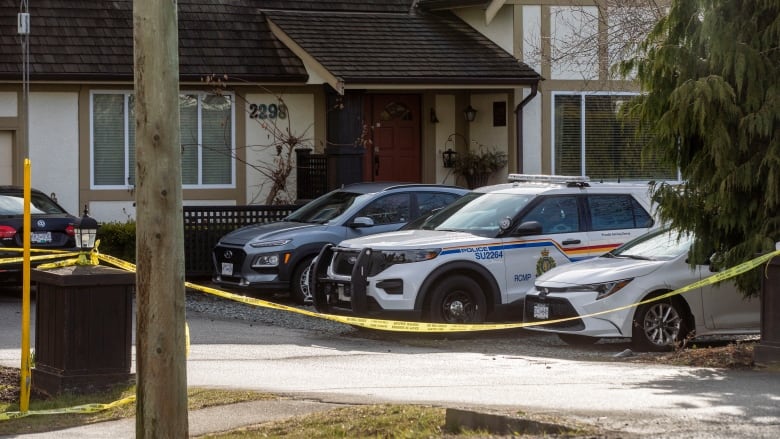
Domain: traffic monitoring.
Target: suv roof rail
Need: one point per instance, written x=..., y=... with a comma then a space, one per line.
x=544, y=178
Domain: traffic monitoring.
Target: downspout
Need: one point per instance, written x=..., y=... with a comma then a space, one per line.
x=519, y=124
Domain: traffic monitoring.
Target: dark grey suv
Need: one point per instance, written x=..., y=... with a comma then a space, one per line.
x=275, y=257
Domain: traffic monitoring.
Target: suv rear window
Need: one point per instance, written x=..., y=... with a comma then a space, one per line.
x=612, y=212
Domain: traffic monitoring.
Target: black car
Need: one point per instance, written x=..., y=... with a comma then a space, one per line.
x=52, y=226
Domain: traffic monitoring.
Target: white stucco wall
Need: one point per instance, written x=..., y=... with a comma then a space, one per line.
x=532, y=37
x=499, y=30
x=482, y=129
x=8, y=108
x=54, y=146
x=260, y=138
x=532, y=132
x=568, y=28
x=445, y=112
x=8, y=104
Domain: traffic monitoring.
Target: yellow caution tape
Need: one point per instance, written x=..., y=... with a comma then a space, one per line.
x=79, y=409
x=386, y=325
x=38, y=258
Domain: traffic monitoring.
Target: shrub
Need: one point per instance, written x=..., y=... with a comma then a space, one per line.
x=118, y=240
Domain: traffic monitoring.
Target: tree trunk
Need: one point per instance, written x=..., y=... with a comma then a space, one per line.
x=160, y=332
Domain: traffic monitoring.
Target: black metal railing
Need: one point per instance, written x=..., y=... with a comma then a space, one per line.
x=204, y=225
x=312, y=175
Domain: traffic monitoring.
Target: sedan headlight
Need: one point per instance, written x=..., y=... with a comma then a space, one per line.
x=606, y=289
x=266, y=260
x=277, y=243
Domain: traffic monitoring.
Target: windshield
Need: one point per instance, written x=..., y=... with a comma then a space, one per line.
x=657, y=246
x=429, y=222
x=480, y=214
x=324, y=208
x=39, y=204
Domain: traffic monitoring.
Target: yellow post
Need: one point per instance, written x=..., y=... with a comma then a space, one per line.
x=24, y=389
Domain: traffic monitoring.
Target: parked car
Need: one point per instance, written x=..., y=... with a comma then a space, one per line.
x=474, y=260
x=276, y=256
x=52, y=226
x=643, y=268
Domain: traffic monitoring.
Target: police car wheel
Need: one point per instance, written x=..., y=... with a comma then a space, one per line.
x=458, y=299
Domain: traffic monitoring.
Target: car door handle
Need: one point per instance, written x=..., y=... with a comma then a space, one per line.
x=571, y=241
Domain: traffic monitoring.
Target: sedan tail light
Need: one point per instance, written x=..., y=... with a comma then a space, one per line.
x=7, y=232
x=70, y=230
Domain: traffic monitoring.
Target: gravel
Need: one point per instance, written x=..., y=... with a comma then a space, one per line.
x=225, y=309
x=519, y=341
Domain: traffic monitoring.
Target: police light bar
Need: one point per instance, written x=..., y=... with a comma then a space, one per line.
x=542, y=178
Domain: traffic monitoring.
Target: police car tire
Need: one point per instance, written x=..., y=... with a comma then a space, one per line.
x=458, y=288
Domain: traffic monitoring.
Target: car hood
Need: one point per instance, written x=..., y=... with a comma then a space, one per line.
x=265, y=231
x=409, y=239
x=601, y=269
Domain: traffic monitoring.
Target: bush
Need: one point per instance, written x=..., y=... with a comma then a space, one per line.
x=118, y=240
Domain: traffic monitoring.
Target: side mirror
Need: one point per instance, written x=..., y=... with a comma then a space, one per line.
x=528, y=228
x=361, y=221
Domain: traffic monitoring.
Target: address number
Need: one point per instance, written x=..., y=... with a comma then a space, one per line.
x=267, y=111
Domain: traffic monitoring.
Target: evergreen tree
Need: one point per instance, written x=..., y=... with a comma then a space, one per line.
x=710, y=71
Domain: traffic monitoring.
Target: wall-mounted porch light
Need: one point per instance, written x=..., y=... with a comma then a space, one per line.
x=470, y=113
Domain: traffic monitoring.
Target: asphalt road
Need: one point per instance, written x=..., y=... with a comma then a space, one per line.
x=518, y=371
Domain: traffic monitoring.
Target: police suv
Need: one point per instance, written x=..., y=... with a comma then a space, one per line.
x=474, y=260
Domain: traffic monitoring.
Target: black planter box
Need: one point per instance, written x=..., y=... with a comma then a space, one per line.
x=767, y=351
x=83, y=329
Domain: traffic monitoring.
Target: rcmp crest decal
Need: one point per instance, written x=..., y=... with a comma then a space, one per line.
x=545, y=262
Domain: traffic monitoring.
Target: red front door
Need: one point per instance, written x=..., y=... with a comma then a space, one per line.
x=395, y=153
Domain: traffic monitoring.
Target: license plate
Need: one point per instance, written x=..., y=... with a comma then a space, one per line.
x=541, y=311
x=227, y=269
x=40, y=237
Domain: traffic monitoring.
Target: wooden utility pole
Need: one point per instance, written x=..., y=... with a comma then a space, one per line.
x=160, y=331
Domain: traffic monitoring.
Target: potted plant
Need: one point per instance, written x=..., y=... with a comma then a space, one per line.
x=477, y=165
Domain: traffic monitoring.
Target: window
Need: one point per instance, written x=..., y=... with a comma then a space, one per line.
x=556, y=215
x=588, y=139
x=389, y=209
x=613, y=212
x=207, y=140
x=428, y=202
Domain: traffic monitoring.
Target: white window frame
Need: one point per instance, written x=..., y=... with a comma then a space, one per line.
x=583, y=137
x=200, y=94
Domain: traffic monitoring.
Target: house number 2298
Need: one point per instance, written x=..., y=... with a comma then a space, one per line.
x=270, y=111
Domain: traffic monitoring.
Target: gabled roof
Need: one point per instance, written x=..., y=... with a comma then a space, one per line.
x=355, y=50
x=349, y=42
x=92, y=40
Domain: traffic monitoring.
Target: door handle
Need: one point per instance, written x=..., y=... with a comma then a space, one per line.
x=571, y=241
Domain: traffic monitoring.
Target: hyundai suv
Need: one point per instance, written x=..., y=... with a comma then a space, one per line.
x=276, y=256
x=475, y=260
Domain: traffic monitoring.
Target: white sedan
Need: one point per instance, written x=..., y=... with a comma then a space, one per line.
x=645, y=267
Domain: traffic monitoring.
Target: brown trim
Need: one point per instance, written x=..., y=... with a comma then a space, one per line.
x=545, y=30
x=546, y=145
x=9, y=123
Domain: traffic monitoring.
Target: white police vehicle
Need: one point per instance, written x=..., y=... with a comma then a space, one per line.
x=474, y=260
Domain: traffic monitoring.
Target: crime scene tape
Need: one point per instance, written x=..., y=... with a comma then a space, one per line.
x=387, y=325
x=403, y=326
x=79, y=409
x=37, y=258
